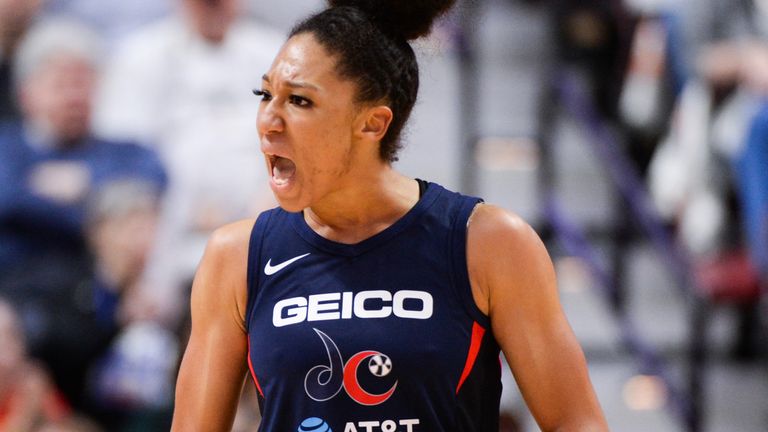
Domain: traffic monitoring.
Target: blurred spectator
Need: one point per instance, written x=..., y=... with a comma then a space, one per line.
x=130, y=379
x=52, y=166
x=27, y=396
x=691, y=179
x=731, y=63
x=183, y=86
x=121, y=221
x=752, y=176
x=50, y=160
x=15, y=17
x=595, y=35
x=708, y=22
x=668, y=44
x=654, y=78
x=112, y=19
x=706, y=175
x=132, y=384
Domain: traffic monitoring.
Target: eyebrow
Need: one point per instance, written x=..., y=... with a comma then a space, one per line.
x=293, y=84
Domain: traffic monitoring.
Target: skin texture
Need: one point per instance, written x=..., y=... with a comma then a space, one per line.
x=349, y=194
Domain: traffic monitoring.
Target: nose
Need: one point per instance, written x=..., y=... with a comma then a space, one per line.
x=269, y=119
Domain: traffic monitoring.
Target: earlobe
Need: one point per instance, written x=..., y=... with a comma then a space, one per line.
x=377, y=120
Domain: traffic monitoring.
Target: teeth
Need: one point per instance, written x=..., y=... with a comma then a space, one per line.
x=278, y=181
x=283, y=170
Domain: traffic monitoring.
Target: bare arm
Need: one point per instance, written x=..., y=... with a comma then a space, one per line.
x=214, y=366
x=513, y=281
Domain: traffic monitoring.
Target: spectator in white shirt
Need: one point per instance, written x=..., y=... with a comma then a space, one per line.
x=183, y=86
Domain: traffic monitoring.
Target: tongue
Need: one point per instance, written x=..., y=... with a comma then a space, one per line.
x=282, y=170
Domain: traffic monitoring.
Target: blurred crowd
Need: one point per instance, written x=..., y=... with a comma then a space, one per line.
x=127, y=135
x=685, y=85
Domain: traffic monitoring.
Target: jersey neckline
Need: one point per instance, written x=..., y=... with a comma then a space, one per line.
x=354, y=249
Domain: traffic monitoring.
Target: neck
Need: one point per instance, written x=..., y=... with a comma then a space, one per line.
x=365, y=208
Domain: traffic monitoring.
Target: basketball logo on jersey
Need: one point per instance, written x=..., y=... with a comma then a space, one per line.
x=325, y=381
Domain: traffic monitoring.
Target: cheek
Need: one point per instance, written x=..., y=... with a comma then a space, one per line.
x=38, y=97
x=329, y=151
x=71, y=99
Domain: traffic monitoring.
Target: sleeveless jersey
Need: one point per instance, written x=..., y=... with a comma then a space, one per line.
x=378, y=336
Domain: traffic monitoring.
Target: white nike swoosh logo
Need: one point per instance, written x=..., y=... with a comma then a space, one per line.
x=269, y=269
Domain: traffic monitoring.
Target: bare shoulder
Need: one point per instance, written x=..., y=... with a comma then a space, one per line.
x=513, y=282
x=489, y=219
x=230, y=240
x=496, y=230
x=220, y=282
x=214, y=365
x=505, y=256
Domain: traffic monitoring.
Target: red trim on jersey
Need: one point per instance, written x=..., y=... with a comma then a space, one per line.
x=474, y=349
x=253, y=374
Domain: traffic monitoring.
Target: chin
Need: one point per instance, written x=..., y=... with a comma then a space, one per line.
x=289, y=205
x=71, y=134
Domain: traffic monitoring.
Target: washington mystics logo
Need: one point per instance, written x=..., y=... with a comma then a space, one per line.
x=323, y=382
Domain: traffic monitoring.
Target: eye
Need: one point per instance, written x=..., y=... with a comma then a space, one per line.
x=265, y=95
x=300, y=101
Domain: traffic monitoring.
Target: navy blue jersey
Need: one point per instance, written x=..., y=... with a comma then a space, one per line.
x=377, y=336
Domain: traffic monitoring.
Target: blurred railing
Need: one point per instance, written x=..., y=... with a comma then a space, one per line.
x=563, y=94
x=685, y=401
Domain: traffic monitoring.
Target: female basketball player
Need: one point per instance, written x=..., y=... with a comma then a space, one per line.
x=370, y=301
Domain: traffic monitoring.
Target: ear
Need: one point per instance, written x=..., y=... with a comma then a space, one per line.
x=375, y=122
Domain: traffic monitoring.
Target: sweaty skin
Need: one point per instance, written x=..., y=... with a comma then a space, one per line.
x=348, y=194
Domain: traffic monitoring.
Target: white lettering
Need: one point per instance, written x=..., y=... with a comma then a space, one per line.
x=368, y=425
x=400, y=310
x=295, y=311
x=345, y=305
x=385, y=426
x=388, y=426
x=408, y=423
x=319, y=304
x=362, y=312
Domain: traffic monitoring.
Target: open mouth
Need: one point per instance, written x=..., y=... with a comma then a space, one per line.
x=283, y=169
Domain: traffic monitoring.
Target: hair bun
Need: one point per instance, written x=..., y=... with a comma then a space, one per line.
x=406, y=19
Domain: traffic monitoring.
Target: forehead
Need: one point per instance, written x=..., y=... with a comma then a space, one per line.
x=303, y=59
x=65, y=62
x=209, y=5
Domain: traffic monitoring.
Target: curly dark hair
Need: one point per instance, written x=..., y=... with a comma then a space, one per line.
x=370, y=39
